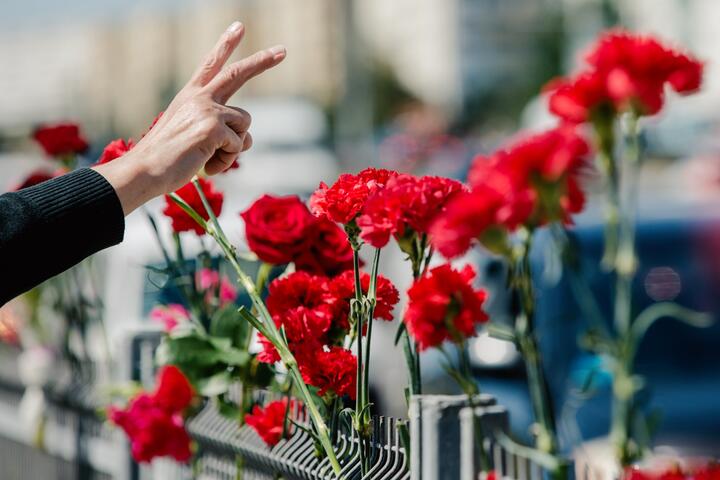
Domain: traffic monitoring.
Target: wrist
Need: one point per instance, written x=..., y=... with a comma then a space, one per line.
x=132, y=180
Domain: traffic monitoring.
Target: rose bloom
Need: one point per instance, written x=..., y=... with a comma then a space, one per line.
x=328, y=250
x=115, y=149
x=344, y=200
x=181, y=221
x=169, y=316
x=276, y=228
x=61, y=139
x=625, y=71
x=442, y=305
x=341, y=290
x=406, y=204
x=334, y=370
x=269, y=422
x=153, y=421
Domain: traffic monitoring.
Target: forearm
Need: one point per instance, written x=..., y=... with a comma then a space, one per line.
x=50, y=227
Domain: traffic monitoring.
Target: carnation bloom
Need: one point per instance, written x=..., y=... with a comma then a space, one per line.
x=625, y=71
x=442, y=305
x=531, y=182
x=269, y=422
x=115, y=149
x=341, y=290
x=334, y=370
x=407, y=204
x=328, y=250
x=153, y=421
x=344, y=200
x=210, y=281
x=181, y=221
x=299, y=304
x=170, y=316
x=36, y=177
x=276, y=228
x=61, y=139
x=537, y=176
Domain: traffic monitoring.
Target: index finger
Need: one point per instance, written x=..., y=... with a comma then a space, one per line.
x=216, y=58
x=229, y=81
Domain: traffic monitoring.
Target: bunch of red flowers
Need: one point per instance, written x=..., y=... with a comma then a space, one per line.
x=531, y=182
x=624, y=72
x=154, y=422
x=313, y=312
x=281, y=230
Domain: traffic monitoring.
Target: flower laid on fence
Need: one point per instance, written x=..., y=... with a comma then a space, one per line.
x=154, y=420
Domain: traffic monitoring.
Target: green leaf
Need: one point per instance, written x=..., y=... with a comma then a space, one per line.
x=229, y=323
x=214, y=385
x=655, y=312
x=234, y=357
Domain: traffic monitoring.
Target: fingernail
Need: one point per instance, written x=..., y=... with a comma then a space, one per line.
x=234, y=27
x=277, y=51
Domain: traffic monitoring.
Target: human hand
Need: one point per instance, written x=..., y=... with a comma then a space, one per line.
x=196, y=130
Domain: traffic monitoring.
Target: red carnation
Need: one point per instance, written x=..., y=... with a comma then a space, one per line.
x=344, y=200
x=342, y=290
x=333, y=371
x=442, y=305
x=115, y=149
x=61, y=139
x=181, y=221
x=174, y=392
x=537, y=176
x=297, y=289
x=153, y=421
x=269, y=422
x=305, y=331
x=406, y=204
x=328, y=251
x=276, y=228
x=36, y=177
x=625, y=71
x=466, y=218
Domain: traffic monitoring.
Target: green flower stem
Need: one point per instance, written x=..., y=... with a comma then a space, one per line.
x=265, y=322
x=357, y=314
x=546, y=439
x=372, y=301
x=626, y=450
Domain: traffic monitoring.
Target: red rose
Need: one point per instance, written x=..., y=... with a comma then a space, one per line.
x=181, y=221
x=407, y=203
x=341, y=290
x=153, y=421
x=115, y=149
x=442, y=305
x=344, y=200
x=269, y=422
x=328, y=251
x=36, y=177
x=61, y=139
x=331, y=371
x=276, y=228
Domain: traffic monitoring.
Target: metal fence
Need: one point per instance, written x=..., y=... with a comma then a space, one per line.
x=444, y=441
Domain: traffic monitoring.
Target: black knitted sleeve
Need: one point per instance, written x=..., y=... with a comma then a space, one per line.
x=48, y=228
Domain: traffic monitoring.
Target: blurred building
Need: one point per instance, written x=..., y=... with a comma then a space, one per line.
x=115, y=74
